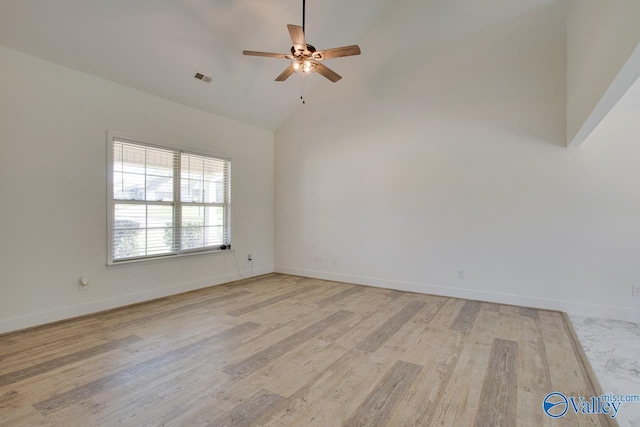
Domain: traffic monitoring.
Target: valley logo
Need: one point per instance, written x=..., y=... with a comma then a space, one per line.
x=556, y=404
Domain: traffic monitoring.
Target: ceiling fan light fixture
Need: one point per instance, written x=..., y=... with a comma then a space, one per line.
x=303, y=65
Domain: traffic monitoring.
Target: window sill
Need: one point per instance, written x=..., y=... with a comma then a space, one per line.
x=154, y=260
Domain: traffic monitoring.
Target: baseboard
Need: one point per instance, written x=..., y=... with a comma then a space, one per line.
x=30, y=320
x=583, y=309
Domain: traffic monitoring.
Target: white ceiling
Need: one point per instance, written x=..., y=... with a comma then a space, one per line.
x=157, y=45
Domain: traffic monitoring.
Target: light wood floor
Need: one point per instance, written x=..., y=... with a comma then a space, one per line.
x=288, y=351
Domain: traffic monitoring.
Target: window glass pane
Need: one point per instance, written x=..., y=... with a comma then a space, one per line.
x=214, y=222
x=192, y=227
x=159, y=216
x=214, y=192
x=202, y=226
x=214, y=170
x=202, y=215
x=128, y=157
x=159, y=241
x=128, y=243
x=192, y=166
x=203, y=179
x=193, y=216
x=209, y=195
x=213, y=235
x=159, y=188
x=128, y=186
x=214, y=216
x=129, y=234
x=131, y=216
x=159, y=171
x=192, y=237
x=191, y=191
x=160, y=163
x=141, y=230
x=142, y=173
x=160, y=234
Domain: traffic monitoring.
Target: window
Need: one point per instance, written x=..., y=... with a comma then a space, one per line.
x=165, y=202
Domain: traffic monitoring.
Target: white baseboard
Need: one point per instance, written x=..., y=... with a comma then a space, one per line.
x=22, y=322
x=583, y=309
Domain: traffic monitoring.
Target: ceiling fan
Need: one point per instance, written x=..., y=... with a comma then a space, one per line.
x=305, y=59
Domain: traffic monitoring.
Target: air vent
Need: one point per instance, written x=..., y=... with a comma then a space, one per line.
x=202, y=77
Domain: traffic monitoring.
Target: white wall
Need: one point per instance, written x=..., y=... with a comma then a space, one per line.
x=53, y=123
x=443, y=149
x=603, y=60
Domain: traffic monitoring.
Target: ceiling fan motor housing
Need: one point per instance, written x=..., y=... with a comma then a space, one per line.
x=295, y=52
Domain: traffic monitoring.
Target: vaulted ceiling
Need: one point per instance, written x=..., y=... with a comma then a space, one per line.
x=157, y=46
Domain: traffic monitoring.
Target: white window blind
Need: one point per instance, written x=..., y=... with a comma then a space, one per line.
x=204, y=194
x=166, y=202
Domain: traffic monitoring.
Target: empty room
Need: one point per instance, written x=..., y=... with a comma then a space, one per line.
x=320, y=213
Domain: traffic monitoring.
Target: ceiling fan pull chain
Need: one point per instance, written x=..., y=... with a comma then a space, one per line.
x=302, y=88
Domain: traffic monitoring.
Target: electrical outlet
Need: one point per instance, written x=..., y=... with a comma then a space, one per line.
x=249, y=257
x=635, y=290
x=460, y=274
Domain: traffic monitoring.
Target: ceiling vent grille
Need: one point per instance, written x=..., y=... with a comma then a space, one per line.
x=202, y=77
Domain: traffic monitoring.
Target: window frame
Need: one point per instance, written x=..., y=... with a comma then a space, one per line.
x=176, y=203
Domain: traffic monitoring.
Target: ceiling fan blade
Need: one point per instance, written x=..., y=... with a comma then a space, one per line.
x=267, y=54
x=297, y=37
x=285, y=74
x=327, y=72
x=338, y=52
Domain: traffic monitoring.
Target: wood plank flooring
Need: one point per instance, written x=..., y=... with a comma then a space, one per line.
x=281, y=350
